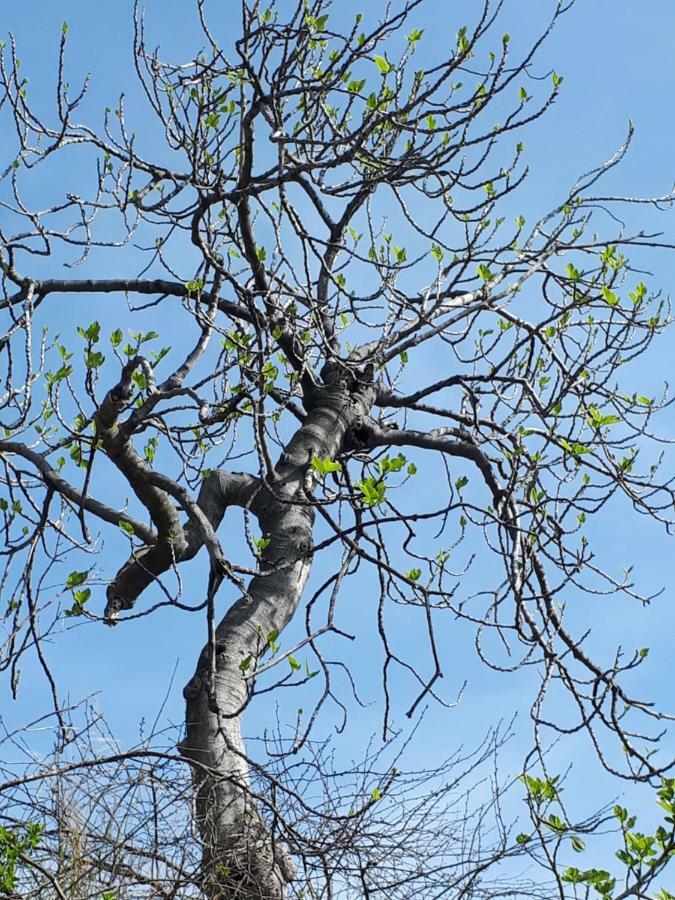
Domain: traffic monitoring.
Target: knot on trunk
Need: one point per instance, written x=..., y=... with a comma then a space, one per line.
x=357, y=438
x=287, y=546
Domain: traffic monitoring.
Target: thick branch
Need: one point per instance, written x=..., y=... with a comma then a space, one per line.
x=55, y=480
x=218, y=491
x=155, y=286
x=373, y=435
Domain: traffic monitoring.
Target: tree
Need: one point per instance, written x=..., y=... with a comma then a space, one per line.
x=323, y=203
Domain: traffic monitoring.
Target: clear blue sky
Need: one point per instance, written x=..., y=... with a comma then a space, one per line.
x=618, y=62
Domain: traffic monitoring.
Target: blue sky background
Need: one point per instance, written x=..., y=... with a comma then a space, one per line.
x=617, y=60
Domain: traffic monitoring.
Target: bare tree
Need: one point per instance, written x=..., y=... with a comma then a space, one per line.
x=324, y=208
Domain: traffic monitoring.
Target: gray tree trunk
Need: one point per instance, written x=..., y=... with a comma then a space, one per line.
x=240, y=857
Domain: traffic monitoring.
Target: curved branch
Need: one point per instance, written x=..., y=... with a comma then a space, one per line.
x=218, y=491
x=58, y=483
x=373, y=435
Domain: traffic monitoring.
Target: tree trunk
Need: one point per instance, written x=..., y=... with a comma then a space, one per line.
x=241, y=858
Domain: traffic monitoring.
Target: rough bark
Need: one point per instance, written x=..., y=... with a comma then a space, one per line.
x=241, y=858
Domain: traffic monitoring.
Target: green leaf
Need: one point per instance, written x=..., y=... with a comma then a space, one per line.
x=596, y=420
x=522, y=838
x=271, y=641
x=294, y=664
x=116, y=337
x=461, y=482
x=126, y=527
x=382, y=64
x=572, y=876
x=194, y=286
x=413, y=574
x=436, y=252
x=55, y=377
x=639, y=293
x=94, y=359
x=392, y=464
x=75, y=610
x=270, y=371
x=376, y=794
x=308, y=672
x=76, y=454
x=245, y=663
x=557, y=80
x=484, y=273
x=150, y=449
x=324, y=466
x=577, y=844
x=572, y=273
x=415, y=35
x=261, y=544
x=76, y=578
x=610, y=297
x=555, y=823
x=372, y=491
x=462, y=40
x=90, y=334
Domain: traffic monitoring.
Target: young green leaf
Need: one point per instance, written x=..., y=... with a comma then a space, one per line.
x=382, y=64
x=76, y=578
x=610, y=297
x=324, y=466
